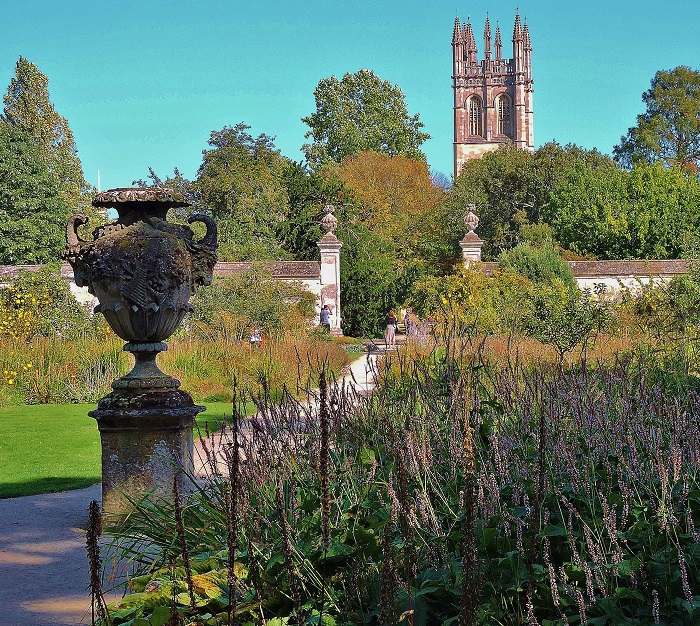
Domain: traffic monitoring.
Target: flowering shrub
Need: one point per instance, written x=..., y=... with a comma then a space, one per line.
x=39, y=303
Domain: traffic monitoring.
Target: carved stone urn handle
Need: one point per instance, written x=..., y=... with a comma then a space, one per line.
x=209, y=239
x=74, y=222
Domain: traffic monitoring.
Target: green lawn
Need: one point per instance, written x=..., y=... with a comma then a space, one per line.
x=55, y=447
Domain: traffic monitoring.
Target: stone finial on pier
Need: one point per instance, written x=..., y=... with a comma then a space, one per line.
x=472, y=243
x=329, y=222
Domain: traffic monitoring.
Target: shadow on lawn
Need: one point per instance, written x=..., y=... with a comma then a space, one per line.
x=45, y=485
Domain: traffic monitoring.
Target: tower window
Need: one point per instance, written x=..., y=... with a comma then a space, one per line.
x=504, y=116
x=475, y=116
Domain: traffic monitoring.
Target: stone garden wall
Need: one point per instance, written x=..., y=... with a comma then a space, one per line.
x=616, y=275
x=308, y=273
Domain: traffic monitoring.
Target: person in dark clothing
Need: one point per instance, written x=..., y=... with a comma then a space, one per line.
x=325, y=317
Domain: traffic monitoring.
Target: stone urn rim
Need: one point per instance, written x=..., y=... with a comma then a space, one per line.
x=118, y=197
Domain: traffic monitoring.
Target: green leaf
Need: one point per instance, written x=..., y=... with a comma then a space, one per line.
x=160, y=615
x=367, y=456
x=558, y=530
x=337, y=549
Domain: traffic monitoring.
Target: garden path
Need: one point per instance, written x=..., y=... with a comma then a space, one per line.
x=44, y=579
x=360, y=376
x=43, y=564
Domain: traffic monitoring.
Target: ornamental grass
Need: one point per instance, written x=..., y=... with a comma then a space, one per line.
x=82, y=369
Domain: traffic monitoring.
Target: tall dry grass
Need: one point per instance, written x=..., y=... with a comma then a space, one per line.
x=53, y=370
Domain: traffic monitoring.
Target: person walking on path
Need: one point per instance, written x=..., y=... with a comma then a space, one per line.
x=410, y=323
x=325, y=318
x=391, y=323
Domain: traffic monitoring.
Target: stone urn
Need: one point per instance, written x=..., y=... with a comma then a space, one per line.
x=143, y=271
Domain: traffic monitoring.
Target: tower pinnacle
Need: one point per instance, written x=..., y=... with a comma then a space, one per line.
x=487, y=39
x=471, y=44
x=517, y=28
x=457, y=33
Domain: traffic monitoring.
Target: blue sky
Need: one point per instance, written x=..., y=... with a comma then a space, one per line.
x=143, y=83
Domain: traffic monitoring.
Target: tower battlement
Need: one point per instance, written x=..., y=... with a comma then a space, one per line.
x=492, y=96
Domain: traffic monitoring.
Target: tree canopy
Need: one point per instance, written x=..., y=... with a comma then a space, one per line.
x=398, y=201
x=27, y=107
x=595, y=208
x=669, y=130
x=32, y=213
x=611, y=213
x=512, y=188
x=240, y=181
x=361, y=112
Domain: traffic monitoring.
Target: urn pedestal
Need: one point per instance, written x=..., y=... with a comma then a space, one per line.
x=143, y=270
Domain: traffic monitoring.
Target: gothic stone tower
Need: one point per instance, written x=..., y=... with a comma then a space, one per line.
x=492, y=97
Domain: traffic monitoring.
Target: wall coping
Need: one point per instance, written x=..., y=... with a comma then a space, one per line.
x=311, y=270
x=278, y=269
x=592, y=269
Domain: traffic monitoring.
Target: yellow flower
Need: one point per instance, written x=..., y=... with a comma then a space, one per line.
x=11, y=381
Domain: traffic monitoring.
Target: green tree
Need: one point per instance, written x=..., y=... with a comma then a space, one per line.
x=507, y=190
x=539, y=263
x=371, y=283
x=32, y=213
x=361, y=112
x=563, y=317
x=669, y=130
x=240, y=181
x=308, y=192
x=610, y=213
x=373, y=278
x=27, y=107
x=512, y=188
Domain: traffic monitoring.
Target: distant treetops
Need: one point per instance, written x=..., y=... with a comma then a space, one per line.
x=669, y=130
x=361, y=112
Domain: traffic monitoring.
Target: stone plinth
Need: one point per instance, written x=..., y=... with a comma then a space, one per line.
x=143, y=449
x=143, y=270
x=471, y=248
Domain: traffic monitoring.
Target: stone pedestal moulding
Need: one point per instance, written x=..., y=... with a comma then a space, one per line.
x=143, y=270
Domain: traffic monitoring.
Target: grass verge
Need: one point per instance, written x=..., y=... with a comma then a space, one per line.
x=55, y=447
